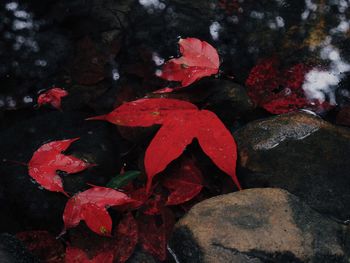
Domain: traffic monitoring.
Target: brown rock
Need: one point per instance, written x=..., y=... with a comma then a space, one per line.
x=257, y=225
x=301, y=153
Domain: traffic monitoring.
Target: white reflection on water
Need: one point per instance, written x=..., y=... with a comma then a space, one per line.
x=214, y=30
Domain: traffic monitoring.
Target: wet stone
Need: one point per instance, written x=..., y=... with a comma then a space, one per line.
x=301, y=153
x=258, y=225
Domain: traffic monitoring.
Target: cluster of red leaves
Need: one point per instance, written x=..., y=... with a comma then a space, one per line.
x=199, y=59
x=52, y=96
x=145, y=215
x=279, y=91
x=181, y=122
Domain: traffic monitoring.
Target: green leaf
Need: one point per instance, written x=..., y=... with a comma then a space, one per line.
x=122, y=179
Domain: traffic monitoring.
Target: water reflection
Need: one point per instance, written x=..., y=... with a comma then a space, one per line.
x=37, y=48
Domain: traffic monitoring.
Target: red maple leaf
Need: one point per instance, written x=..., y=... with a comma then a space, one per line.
x=52, y=96
x=48, y=159
x=199, y=59
x=90, y=206
x=76, y=255
x=181, y=122
x=278, y=91
x=184, y=184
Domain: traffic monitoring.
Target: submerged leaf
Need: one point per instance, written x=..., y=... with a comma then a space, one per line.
x=184, y=184
x=127, y=237
x=123, y=179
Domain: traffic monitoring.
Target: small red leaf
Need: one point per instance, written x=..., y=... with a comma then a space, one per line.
x=48, y=159
x=76, y=255
x=199, y=59
x=127, y=237
x=53, y=97
x=184, y=183
x=90, y=206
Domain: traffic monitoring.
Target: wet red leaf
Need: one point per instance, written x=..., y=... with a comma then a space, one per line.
x=278, y=91
x=52, y=96
x=199, y=59
x=184, y=184
x=127, y=238
x=48, y=159
x=90, y=206
x=43, y=245
x=181, y=123
x=76, y=255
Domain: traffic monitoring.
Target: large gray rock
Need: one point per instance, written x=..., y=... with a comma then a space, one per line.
x=301, y=153
x=258, y=225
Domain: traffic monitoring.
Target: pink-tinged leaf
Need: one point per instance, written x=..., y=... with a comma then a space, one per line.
x=144, y=112
x=168, y=144
x=76, y=255
x=90, y=206
x=199, y=59
x=53, y=97
x=218, y=143
x=97, y=219
x=48, y=159
x=127, y=238
x=184, y=184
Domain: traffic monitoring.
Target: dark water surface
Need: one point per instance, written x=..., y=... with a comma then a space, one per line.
x=67, y=43
x=106, y=52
